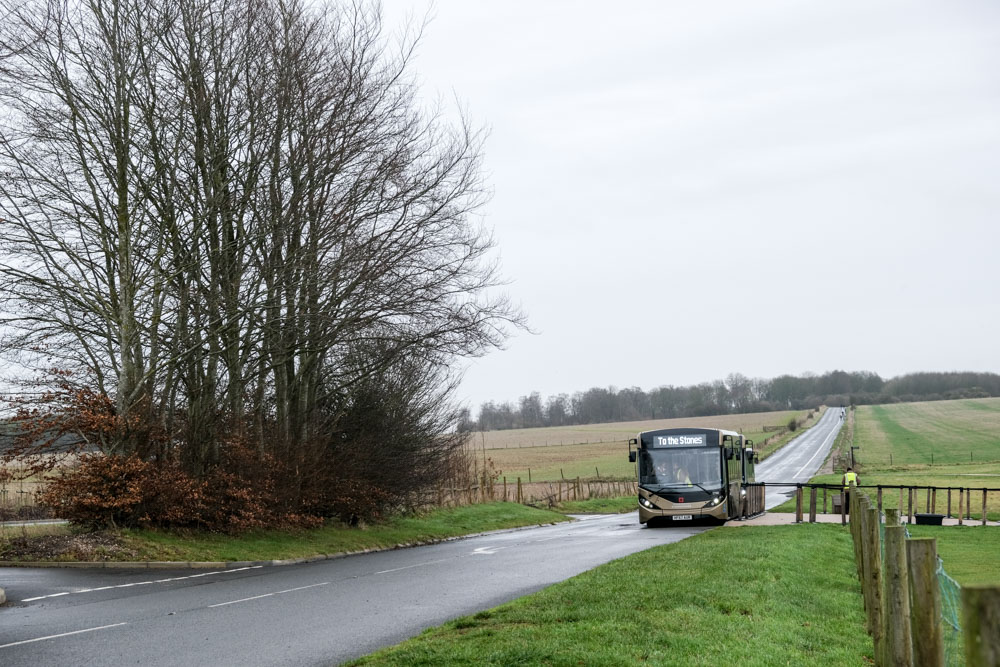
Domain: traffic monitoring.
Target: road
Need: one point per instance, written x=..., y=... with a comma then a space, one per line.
x=800, y=459
x=312, y=614
x=324, y=612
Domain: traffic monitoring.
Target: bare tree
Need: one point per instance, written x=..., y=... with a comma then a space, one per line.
x=208, y=207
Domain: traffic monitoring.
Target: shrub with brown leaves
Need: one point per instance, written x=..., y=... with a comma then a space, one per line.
x=118, y=491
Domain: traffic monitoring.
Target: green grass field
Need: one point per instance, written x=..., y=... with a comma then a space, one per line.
x=783, y=595
x=969, y=554
x=939, y=443
x=931, y=444
x=929, y=433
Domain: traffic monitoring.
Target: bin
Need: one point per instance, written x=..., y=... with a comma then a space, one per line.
x=927, y=519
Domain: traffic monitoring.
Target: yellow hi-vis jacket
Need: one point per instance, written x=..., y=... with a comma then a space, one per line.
x=850, y=479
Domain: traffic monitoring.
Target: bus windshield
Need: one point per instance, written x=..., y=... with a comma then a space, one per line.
x=679, y=467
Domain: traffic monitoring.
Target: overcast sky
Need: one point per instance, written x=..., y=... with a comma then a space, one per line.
x=686, y=189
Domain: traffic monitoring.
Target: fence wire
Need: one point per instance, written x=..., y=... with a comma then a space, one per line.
x=951, y=607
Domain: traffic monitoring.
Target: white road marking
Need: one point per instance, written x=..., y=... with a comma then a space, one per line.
x=255, y=597
x=141, y=583
x=486, y=551
x=267, y=595
x=818, y=451
x=65, y=634
x=430, y=562
x=54, y=595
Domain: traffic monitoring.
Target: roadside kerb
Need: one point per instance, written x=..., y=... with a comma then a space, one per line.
x=231, y=565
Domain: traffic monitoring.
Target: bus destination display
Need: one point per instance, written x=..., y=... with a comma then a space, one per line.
x=693, y=440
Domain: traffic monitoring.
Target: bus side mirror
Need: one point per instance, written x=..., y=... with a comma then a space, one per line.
x=631, y=457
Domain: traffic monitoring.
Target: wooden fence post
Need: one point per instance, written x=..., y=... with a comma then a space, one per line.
x=927, y=503
x=981, y=625
x=843, y=508
x=897, y=594
x=520, y=492
x=909, y=511
x=934, y=500
x=812, y=504
x=968, y=504
x=984, y=509
x=961, y=508
x=856, y=537
x=949, y=502
x=880, y=498
x=873, y=566
x=925, y=599
x=900, y=503
x=798, y=505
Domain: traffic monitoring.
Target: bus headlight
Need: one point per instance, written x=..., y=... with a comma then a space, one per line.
x=714, y=501
x=645, y=503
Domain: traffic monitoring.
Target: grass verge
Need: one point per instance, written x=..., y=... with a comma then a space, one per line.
x=619, y=505
x=150, y=545
x=766, y=596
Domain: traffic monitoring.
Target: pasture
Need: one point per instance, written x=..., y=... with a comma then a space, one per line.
x=751, y=424
x=945, y=444
x=601, y=450
x=931, y=433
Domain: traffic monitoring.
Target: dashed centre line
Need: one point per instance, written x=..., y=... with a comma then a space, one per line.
x=407, y=567
x=140, y=583
x=64, y=634
x=267, y=595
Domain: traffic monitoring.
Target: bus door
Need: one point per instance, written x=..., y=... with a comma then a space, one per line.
x=734, y=471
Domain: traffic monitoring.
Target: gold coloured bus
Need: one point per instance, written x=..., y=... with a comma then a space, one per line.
x=687, y=474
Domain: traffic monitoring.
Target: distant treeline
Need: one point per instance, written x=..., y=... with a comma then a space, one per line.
x=736, y=394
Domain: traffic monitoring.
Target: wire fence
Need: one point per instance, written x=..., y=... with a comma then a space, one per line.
x=914, y=608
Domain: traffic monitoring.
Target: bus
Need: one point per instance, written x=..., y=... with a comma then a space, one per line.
x=687, y=474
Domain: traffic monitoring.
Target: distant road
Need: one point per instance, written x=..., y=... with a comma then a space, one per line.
x=324, y=612
x=800, y=459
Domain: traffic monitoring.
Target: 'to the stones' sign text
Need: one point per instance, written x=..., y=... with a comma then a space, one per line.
x=694, y=440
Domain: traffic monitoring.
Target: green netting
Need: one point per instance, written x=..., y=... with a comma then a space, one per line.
x=951, y=629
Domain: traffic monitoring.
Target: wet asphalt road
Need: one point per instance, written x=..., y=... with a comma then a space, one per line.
x=324, y=612
x=800, y=459
x=311, y=614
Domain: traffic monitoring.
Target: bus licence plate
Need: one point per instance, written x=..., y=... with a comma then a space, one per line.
x=683, y=517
